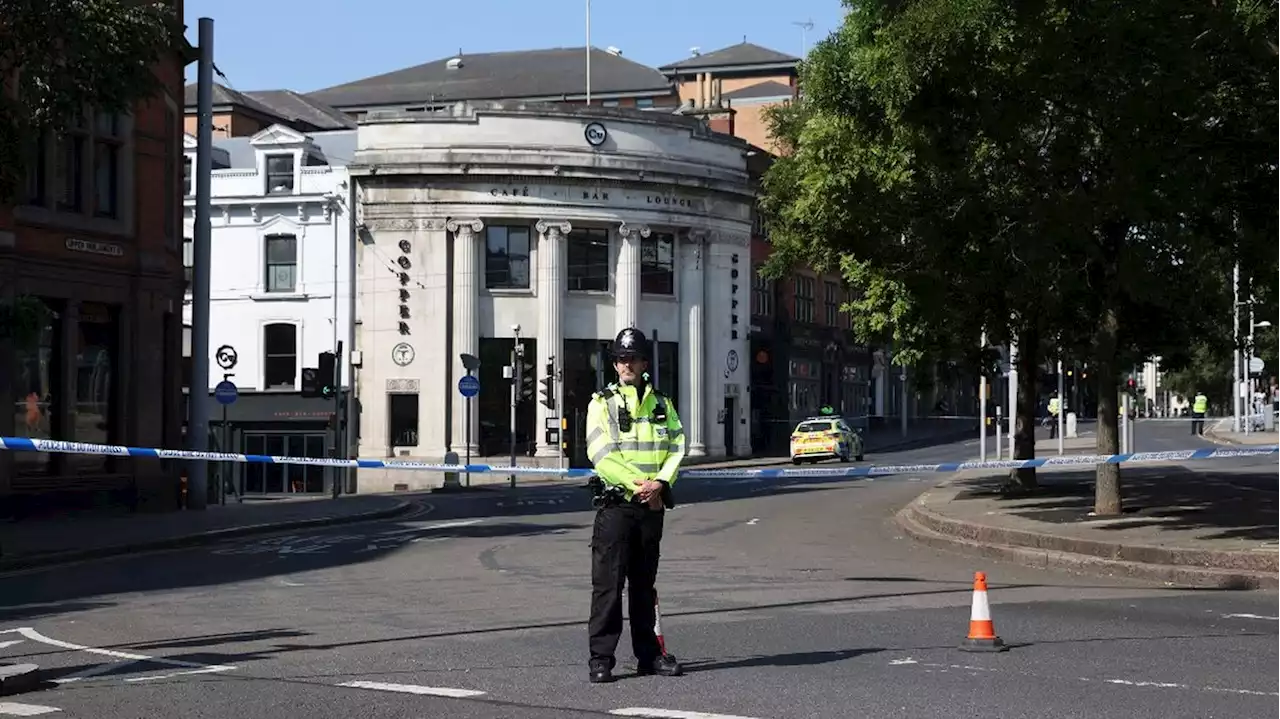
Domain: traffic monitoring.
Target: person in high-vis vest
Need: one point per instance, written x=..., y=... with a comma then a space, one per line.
x=1199, y=408
x=1055, y=406
x=635, y=442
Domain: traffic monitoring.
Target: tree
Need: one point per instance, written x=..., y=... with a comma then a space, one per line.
x=58, y=57
x=1051, y=171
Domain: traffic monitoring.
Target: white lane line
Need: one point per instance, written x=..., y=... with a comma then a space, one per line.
x=14, y=709
x=754, y=520
x=414, y=689
x=1250, y=616
x=1117, y=682
x=651, y=713
x=198, y=668
x=442, y=525
x=6, y=645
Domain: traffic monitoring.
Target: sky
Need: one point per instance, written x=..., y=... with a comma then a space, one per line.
x=313, y=44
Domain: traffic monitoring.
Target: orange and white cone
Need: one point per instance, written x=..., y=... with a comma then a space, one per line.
x=982, y=631
x=657, y=627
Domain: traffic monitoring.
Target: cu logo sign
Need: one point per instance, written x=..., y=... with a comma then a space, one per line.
x=595, y=134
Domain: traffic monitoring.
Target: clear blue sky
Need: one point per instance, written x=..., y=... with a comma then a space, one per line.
x=308, y=45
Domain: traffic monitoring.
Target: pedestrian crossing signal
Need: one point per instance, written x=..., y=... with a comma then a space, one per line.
x=325, y=374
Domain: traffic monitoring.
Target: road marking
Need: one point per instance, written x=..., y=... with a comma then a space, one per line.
x=14, y=709
x=414, y=689
x=6, y=645
x=1117, y=682
x=192, y=667
x=651, y=713
x=442, y=525
x=1250, y=616
x=753, y=521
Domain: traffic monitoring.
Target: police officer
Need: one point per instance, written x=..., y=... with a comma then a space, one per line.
x=1199, y=408
x=635, y=442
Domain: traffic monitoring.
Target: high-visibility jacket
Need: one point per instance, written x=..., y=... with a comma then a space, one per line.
x=1054, y=404
x=1201, y=405
x=652, y=447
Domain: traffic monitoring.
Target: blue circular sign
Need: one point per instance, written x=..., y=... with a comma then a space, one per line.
x=468, y=386
x=225, y=392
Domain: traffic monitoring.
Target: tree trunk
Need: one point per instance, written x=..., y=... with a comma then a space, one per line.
x=1106, y=500
x=1023, y=481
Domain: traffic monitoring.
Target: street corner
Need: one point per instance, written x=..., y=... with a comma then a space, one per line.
x=976, y=520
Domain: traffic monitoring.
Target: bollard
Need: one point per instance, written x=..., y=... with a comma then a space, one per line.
x=451, y=478
x=1072, y=432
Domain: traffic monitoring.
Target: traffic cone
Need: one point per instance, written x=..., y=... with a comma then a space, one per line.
x=657, y=627
x=982, y=631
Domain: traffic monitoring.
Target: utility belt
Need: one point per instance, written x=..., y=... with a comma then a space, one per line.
x=610, y=495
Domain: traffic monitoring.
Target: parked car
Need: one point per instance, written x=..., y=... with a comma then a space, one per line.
x=818, y=438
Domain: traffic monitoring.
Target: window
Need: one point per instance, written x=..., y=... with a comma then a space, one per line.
x=187, y=162
x=282, y=263
x=107, y=144
x=96, y=388
x=761, y=294
x=833, y=304
x=804, y=298
x=849, y=297
x=657, y=264
x=402, y=416
x=188, y=261
x=279, y=174
x=609, y=103
x=284, y=478
x=506, y=257
x=279, y=356
x=70, y=168
x=644, y=102
x=81, y=171
x=588, y=258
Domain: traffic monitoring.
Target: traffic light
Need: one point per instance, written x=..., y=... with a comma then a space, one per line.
x=325, y=374
x=548, y=383
x=310, y=382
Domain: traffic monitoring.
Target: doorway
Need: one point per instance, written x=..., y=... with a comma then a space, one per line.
x=730, y=424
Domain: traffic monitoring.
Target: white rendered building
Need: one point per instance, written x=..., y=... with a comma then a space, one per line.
x=571, y=224
x=280, y=293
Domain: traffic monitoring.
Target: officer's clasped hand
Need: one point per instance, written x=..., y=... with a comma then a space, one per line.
x=648, y=489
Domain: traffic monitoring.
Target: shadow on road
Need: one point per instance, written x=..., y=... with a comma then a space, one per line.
x=1234, y=505
x=794, y=659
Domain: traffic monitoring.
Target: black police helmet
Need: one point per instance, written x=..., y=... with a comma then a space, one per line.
x=630, y=342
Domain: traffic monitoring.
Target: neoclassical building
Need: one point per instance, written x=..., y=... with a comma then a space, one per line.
x=554, y=227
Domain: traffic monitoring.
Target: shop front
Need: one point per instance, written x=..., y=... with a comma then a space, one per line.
x=274, y=424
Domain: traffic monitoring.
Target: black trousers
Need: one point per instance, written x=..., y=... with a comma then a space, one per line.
x=1197, y=423
x=624, y=550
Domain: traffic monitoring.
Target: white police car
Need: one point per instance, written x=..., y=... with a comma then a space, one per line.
x=819, y=438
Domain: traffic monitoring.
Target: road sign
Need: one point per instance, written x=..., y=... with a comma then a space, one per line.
x=225, y=392
x=468, y=386
x=226, y=357
x=1256, y=365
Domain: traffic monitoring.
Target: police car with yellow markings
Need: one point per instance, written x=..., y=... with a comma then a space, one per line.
x=825, y=437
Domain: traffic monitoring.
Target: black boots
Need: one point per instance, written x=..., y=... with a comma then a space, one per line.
x=601, y=671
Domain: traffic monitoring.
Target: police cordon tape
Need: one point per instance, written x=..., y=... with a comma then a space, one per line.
x=23, y=444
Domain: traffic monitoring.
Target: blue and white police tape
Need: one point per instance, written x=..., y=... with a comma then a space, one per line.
x=22, y=444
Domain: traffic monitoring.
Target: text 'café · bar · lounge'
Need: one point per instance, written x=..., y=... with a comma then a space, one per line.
x=570, y=223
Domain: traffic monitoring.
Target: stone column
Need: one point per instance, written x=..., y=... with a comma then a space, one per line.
x=627, y=298
x=692, y=344
x=551, y=281
x=467, y=267
x=715, y=341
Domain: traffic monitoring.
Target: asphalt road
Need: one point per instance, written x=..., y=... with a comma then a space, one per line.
x=784, y=599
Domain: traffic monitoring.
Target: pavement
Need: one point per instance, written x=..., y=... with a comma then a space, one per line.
x=1205, y=524
x=786, y=598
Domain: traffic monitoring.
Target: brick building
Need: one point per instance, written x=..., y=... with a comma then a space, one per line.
x=96, y=235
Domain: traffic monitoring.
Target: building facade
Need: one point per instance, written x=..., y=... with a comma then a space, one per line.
x=280, y=294
x=552, y=228
x=94, y=236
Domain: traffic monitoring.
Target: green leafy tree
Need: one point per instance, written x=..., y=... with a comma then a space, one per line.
x=1070, y=174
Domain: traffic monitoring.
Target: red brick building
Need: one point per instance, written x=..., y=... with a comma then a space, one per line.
x=96, y=235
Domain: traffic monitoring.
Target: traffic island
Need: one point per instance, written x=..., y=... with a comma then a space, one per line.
x=1181, y=527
